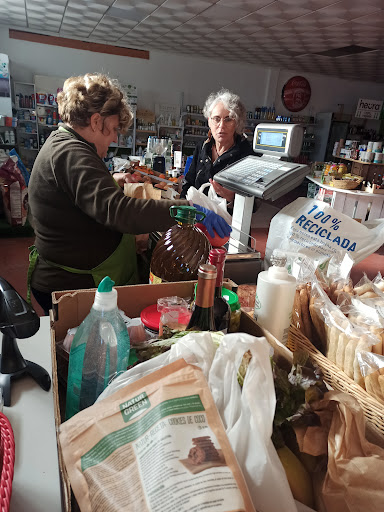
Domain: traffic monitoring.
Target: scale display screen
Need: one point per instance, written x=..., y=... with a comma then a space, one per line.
x=271, y=140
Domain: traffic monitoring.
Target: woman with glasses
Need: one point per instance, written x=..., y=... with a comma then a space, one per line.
x=225, y=144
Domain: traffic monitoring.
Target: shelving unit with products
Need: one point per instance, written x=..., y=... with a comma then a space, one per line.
x=175, y=133
x=126, y=143
x=195, y=129
x=47, y=120
x=27, y=131
x=145, y=127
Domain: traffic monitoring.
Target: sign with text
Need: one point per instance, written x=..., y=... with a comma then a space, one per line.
x=369, y=109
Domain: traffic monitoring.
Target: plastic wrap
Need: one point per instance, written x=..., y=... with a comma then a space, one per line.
x=342, y=339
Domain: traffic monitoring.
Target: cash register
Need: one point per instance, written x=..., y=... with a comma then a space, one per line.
x=266, y=177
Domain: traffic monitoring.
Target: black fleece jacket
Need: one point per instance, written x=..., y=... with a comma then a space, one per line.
x=202, y=168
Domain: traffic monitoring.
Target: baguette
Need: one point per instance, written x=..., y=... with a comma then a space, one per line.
x=296, y=311
x=357, y=377
x=340, y=350
x=349, y=357
x=304, y=303
x=332, y=344
x=373, y=386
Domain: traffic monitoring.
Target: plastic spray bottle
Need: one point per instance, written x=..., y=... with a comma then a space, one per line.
x=275, y=293
x=100, y=349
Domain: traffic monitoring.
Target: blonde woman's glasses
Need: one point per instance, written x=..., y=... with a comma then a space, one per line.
x=226, y=120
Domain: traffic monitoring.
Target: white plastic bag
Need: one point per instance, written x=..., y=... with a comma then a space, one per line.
x=213, y=202
x=247, y=414
x=313, y=228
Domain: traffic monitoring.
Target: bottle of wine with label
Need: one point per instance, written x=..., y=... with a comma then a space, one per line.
x=202, y=318
x=221, y=308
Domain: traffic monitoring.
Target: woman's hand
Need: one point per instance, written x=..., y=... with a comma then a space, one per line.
x=123, y=177
x=229, y=195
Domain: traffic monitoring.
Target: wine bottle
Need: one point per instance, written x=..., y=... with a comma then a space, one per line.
x=221, y=309
x=202, y=318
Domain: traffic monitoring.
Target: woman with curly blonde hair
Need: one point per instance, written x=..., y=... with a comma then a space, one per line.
x=84, y=224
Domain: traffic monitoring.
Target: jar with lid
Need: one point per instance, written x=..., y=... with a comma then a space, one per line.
x=180, y=251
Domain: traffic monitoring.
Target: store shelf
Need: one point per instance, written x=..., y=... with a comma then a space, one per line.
x=196, y=126
x=196, y=136
x=192, y=114
x=28, y=149
x=48, y=125
x=26, y=133
x=120, y=147
x=356, y=161
x=46, y=106
x=170, y=126
x=146, y=131
x=25, y=108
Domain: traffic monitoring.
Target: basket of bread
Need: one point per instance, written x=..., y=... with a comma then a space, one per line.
x=341, y=326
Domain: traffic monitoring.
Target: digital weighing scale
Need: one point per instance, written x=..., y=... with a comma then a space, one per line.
x=265, y=177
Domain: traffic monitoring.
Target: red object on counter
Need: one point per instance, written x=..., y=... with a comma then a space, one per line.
x=215, y=241
x=7, y=454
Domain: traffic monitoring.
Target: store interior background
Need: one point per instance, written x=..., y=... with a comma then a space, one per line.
x=172, y=78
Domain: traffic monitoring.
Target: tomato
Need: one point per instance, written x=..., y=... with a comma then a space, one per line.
x=215, y=241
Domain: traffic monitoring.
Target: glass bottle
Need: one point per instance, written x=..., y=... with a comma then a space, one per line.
x=221, y=308
x=180, y=250
x=202, y=318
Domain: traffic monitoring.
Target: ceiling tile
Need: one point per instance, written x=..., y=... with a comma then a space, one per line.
x=348, y=9
x=373, y=20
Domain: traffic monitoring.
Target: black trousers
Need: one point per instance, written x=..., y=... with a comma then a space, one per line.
x=43, y=299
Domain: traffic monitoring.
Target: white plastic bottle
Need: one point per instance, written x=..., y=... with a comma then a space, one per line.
x=275, y=293
x=100, y=350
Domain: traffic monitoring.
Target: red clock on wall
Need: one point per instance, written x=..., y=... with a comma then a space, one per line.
x=296, y=93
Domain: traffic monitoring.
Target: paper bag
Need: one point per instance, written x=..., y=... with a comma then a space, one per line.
x=354, y=478
x=141, y=191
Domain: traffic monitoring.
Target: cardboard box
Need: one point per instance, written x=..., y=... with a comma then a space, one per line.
x=71, y=307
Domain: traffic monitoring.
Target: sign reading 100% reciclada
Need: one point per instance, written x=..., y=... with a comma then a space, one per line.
x=325, y=227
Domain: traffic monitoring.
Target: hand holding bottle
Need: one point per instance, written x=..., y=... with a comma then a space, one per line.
x=213, y=222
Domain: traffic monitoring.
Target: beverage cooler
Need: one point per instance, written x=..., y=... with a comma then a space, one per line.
x=330, y=128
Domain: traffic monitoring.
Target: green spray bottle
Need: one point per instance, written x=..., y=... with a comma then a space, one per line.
x=99, y=350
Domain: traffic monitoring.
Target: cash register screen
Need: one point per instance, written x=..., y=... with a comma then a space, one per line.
x=271, y=140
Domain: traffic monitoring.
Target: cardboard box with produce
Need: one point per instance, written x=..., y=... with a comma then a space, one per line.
x=239, y=433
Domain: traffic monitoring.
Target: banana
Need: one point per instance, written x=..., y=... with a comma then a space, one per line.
x=298, y=477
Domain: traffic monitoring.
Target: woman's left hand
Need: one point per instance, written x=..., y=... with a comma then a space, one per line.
x=229, y=195
x=122, y=177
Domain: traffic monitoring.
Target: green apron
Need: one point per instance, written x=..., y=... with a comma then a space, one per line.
x=120, y=266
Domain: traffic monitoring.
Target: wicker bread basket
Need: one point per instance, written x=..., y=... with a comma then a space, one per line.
x=373, y=410
x=347, y=184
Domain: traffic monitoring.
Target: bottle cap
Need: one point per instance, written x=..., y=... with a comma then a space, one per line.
x=232, y=299
x=207, y=271
x=217, y=256
x=278, y=258
x=106, y=295
x=184, y=214
x=150, y=317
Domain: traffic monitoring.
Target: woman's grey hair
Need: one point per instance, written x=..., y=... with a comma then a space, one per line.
x=231, y=102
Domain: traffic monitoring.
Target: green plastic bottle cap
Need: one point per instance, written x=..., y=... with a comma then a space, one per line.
x=185, y=214
x=106, y=285
x=232, y=299
x=230, y=296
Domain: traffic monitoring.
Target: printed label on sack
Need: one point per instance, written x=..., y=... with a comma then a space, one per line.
x=178, y=459
x=154, y=279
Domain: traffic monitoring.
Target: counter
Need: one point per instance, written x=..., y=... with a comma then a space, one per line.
x=354, y=203
x=36, y=481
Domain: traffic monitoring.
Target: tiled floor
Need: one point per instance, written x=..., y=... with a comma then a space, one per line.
x=14, y=254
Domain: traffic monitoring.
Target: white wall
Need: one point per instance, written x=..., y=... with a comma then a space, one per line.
x=164, y=77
